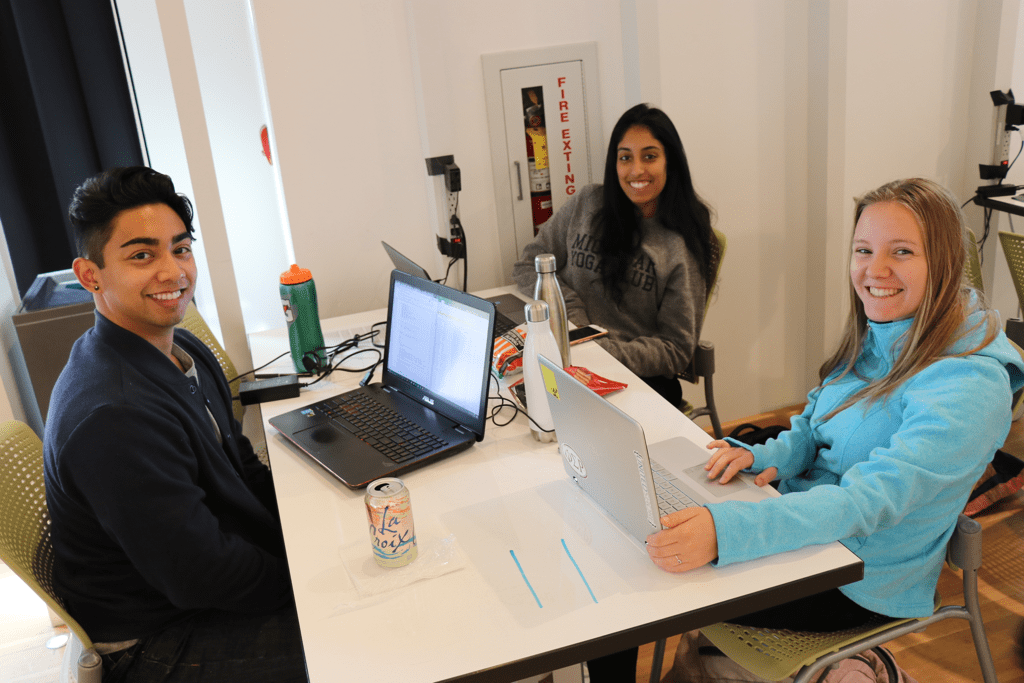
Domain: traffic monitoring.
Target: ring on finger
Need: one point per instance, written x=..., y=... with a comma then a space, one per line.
x=678, y=561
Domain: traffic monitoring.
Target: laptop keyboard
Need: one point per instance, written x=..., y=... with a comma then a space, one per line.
x=502, y=324
x=670, y=497
x=380, y=427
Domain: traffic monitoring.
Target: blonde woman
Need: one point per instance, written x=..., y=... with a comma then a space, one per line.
x=911, y=407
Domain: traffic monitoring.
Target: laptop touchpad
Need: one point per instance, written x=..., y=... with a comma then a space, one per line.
x=699, y=476
x=322, y=433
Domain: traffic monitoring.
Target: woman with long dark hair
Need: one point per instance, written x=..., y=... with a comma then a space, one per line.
x=633, y=254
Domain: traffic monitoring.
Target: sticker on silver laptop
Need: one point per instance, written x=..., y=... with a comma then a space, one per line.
x=574, y=460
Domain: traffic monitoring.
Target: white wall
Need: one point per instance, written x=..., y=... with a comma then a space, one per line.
x=234, y=102
x=351, y=155
x=735, y=82
x=1003, y=40
x=158, y=113
x=906, y=81
x=792, y=110
x=787, y=108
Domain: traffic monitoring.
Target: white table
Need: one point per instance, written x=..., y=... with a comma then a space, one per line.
x=508, y=494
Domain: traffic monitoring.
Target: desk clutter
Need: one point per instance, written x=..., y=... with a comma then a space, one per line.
x=601, y=386
x=509, y=552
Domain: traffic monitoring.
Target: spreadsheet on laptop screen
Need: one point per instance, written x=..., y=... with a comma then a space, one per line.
x=435, y=343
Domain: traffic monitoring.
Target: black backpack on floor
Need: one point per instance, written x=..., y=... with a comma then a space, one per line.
x=752, y=435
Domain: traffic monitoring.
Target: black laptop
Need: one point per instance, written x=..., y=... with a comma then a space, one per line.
x=432, y=401
x=510, y=308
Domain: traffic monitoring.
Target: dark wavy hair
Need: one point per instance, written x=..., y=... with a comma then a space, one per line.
x=679, y=208
x=98, y=201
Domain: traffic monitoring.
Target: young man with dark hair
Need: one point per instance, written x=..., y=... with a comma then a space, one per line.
x=167, y=542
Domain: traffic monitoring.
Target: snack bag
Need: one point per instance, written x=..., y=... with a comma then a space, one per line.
x=596, y=383
x=508, y=352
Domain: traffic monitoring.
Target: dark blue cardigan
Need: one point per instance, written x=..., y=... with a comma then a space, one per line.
x=153, y=520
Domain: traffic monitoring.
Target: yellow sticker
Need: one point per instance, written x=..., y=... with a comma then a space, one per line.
x=550, y=383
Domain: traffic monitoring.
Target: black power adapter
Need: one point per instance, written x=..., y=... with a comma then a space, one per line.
x=997, y=190
x=266, y=390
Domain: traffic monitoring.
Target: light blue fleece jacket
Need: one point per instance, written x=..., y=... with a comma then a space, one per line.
x=887, y=480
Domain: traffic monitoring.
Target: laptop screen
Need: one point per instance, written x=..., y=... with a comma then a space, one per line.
x=439, y=347
x=404, y=263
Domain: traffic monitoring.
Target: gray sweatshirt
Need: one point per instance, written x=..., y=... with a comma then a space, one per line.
x=655, y=328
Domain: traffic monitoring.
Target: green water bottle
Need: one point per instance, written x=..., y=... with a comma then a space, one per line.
x=298, y=296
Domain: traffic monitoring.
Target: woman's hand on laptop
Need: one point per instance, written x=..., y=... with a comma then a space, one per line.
x=688, y=541
x=728, y=460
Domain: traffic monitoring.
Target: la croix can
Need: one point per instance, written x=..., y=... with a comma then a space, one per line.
x=389, y=513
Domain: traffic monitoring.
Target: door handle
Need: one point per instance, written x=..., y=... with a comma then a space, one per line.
x=519, y=179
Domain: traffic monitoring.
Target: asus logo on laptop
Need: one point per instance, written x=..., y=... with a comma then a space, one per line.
x=428, y=400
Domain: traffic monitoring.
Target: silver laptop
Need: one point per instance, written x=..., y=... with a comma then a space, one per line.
x=605, y=452
x=510, y=308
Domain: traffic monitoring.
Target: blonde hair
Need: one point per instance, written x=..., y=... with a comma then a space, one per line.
x=944, y=308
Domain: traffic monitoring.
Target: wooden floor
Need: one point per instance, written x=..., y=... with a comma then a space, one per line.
x=945, y=652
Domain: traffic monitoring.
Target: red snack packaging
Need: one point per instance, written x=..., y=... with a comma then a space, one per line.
x=596, y=383
x=599, y=385
x=508, y=352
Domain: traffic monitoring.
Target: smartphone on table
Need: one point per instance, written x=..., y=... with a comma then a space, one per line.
x=582, y=334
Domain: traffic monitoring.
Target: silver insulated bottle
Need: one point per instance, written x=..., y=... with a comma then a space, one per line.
x=548, y=291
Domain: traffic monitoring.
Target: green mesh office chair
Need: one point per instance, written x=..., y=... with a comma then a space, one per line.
x=702, y=364
x=195, y=324
x=1013, y=247
x=25, y=544
x=973, y=271
x=775, y=654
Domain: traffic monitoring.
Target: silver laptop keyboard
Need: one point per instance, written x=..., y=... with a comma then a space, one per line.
x=670, y=497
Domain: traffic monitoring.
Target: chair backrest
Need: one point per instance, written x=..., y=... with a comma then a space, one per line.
x=973, y=272
x=25, y=544
x=717, y=256
x=1013, y=247
x=195, y=324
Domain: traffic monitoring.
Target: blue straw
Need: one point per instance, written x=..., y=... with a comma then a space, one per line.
x=526, y=579
x=592, y=596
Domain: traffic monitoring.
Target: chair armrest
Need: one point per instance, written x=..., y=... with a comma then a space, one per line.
x=964, y=550
x=702, y=363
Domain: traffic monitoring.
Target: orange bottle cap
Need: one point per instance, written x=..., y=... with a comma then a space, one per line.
x=295, y=276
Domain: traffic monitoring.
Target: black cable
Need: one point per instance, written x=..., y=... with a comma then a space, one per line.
x=332, y=366
x=984, y=235
x=504, y=403
x=254, y=371
x=374, y=339
x=459, y=234
x=329, y=352
x=465, y=247
x=451, y=262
